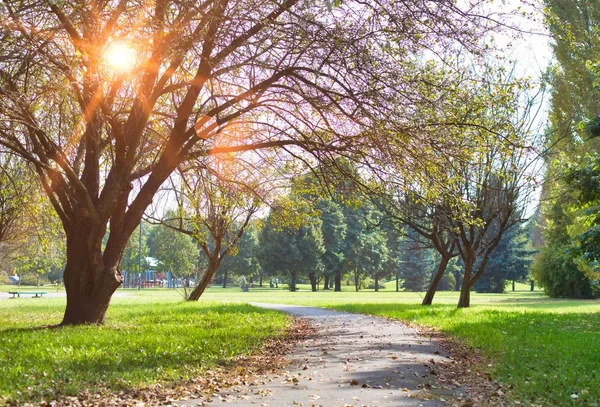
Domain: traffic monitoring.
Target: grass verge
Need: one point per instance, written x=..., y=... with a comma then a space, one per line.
x=545, y=356
x=143, y=343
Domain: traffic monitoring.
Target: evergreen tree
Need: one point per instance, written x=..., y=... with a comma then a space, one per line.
x=414, y=265
x=510, y=261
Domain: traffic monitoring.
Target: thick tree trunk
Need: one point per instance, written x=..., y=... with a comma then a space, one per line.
x=376, y=282
x=326, y=282
x=464, y=301
x=313, y=281
x=293, y=281
x=88, y=282
x=435, y=281
x=337, y=282
x=206, y=279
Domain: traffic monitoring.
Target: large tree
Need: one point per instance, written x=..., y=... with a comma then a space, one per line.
x=560, y=266
x=106, y=98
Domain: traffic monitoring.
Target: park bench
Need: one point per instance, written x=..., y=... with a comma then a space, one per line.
x=36, y=294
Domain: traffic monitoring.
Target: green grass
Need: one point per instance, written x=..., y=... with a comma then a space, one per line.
x=544, y=349
x=142, y=343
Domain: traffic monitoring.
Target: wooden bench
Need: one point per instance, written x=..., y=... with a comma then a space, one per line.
x=36, y=294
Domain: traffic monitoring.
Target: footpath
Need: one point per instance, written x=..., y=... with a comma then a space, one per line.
x=351, y=360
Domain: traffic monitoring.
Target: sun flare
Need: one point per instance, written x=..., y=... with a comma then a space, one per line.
x=120, y=56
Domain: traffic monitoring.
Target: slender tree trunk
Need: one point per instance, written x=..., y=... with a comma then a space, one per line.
x=464, y=301
x=313, y=281
x=435, y=281
x=326, y=282
x=293, y=281
x=225, y=273
x=206, y=279
x=260, y=279
x=337, y=282
x=356, y=280
x=376, y=282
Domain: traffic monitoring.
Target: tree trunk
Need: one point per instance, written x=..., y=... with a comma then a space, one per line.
x=464, y=301
x=436, y=280
x=513, y=285
x=293, y=281
x=356, y=280
x=313, y=281
x=88, y=282
x=337, y=282
x=225, y=273
x=326, y=282
x=376, y=282
x=208, y=276
x=260, y=280
x=91, y=276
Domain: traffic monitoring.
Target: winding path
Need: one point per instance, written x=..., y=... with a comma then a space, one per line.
x=351, y=360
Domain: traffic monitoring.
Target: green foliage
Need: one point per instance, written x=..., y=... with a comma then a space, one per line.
x=130, y=261
x=570, y=212
x=291, y=248
x=557, y=272
x=415, y=266
x=243, y=261
x=333, y=228
x=176, y=251
x=145, y=343
x=447, y=283
x=510, y=261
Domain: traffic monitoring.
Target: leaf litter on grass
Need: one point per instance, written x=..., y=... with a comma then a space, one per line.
x=241, y=371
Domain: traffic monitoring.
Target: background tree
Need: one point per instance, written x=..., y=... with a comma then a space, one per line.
x=291, y=242
x=333, y=227
x=510, y=261
x=414, y=267
x=243, y=260
x=575, y=101
x=177, y=253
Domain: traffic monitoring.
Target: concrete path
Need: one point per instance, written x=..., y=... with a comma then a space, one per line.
x=352, y=360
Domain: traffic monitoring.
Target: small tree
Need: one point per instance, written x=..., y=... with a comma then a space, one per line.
x=176, y=252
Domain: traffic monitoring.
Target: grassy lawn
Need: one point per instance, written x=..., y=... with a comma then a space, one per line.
x=145, y=341
x=545, y=350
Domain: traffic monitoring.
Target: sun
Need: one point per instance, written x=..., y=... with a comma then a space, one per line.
x=120, y=56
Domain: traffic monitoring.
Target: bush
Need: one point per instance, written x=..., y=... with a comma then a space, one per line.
x=447, y=283
x=554, y=270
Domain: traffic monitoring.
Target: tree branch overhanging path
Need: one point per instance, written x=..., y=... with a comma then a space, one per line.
x=103, y=141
